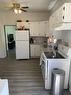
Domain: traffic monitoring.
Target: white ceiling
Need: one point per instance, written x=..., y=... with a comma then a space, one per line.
x=34, y=5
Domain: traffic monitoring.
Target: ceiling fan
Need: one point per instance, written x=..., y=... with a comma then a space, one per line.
x=18, y=9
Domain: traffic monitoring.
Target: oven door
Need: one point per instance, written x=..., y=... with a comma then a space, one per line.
x=43, y=69
x=44, y=65
x=42, y=58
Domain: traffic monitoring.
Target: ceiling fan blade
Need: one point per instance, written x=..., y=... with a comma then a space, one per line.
x=24, y=10
x=25, y=7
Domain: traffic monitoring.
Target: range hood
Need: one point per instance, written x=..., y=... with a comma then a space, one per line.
x=64, y=26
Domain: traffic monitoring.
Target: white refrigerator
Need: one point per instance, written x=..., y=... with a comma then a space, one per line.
x=22, y=44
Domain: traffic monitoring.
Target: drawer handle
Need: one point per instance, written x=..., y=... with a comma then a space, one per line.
x=63, y=8
x=63, y=17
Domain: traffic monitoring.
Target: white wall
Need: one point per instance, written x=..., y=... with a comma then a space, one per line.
x=66, y=36
x=9, y=18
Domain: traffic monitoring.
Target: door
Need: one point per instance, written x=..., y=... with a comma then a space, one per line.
x=35, y=51
x=22, y=49
x=10, y=39
x=22, y=35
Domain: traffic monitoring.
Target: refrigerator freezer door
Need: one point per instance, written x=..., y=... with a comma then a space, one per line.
x=22, y=35
x=22, y=49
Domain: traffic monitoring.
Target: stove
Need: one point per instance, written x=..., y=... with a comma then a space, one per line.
x=49, y=61
x=51, y=55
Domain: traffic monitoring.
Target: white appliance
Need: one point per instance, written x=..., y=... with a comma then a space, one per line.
x=4, y=89
x=48, y=64
x=22, y=44
x=66, y=50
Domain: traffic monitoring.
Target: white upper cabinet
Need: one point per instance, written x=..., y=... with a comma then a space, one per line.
x=23, y=24
x=63, y=14
x=27, y=25
x=34, y=28
x=67, y=12
x=43, y=28
x=61, y=18
x=38, y=28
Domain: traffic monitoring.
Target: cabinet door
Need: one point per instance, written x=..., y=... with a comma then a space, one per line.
x=67, y=15
x=56, y=18
x=35, y=51
x=34, y=28
x=32, y=48
x=63, y=14
x=42, y=28
x=27, y=24
x=38, y=28
x=60, y=13
x=47, y=28
x=31, y=28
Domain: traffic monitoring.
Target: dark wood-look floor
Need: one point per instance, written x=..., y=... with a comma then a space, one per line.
x=24, y=76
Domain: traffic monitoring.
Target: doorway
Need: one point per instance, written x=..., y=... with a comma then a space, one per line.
x=10, y=39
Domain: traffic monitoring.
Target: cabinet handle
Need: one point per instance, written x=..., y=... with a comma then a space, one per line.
x=63, y=8
x=63, y=17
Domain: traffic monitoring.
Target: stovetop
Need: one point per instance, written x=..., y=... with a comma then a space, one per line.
x=51, y=55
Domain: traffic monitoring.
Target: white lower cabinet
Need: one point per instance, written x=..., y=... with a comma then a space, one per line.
x=35, y=51
x=32, y=50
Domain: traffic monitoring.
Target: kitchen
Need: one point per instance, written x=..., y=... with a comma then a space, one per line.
x=36, y=20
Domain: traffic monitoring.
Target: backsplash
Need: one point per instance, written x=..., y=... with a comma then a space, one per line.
x=38, y=40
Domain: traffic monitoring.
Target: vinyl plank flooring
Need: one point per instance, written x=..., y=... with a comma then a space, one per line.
x=24, y=77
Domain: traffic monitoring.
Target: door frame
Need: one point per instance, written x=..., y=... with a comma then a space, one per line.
x=5, y=38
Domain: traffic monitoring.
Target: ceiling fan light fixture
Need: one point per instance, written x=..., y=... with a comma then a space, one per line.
x=17, y=11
